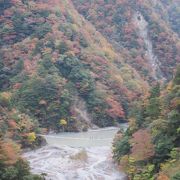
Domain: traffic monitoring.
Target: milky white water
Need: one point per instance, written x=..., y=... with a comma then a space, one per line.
x=58, y=162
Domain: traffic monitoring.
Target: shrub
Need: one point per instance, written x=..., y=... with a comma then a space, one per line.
x=176, y=176
x=121, y=147
x=5, y=99
x=80, y=156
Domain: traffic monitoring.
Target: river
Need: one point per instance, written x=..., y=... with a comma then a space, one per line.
x=77, y=156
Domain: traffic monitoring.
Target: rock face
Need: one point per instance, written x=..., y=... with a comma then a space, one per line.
x=81, y=114
x=146, y=31
x=153, y=61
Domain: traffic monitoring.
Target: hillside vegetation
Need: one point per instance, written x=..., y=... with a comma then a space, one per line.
x=124, y=24
x=72, y=65
x=149, y=149
x=50, y=58
x=50, y=55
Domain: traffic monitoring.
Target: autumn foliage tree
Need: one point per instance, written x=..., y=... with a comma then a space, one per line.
x=142, y=147
x=9, y=152
x=116, y=110
x=154, y=150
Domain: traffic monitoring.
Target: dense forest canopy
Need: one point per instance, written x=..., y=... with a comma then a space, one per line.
x=116, y=21
x=114, y=59
x=151, y=143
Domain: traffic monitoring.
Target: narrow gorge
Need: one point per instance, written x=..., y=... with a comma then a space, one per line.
x=89, y=90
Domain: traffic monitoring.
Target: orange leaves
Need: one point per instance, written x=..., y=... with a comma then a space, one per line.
x=12, y=124
x=116, y=109
x=9, y=152
x=142, y=147
x=30, y=66
x=17, y=86
x=162, y=177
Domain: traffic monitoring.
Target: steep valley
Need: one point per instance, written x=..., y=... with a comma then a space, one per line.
x=73, y=73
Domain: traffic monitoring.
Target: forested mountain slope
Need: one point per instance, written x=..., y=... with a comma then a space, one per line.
x=150, y=148
x=50, y=56
x=61, y=71
x=148, y=30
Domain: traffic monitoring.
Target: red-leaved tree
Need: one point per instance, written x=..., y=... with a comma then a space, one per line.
x=142, y=147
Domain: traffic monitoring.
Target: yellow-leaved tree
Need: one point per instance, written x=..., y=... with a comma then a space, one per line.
x=31, y=137
x=63, y=123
